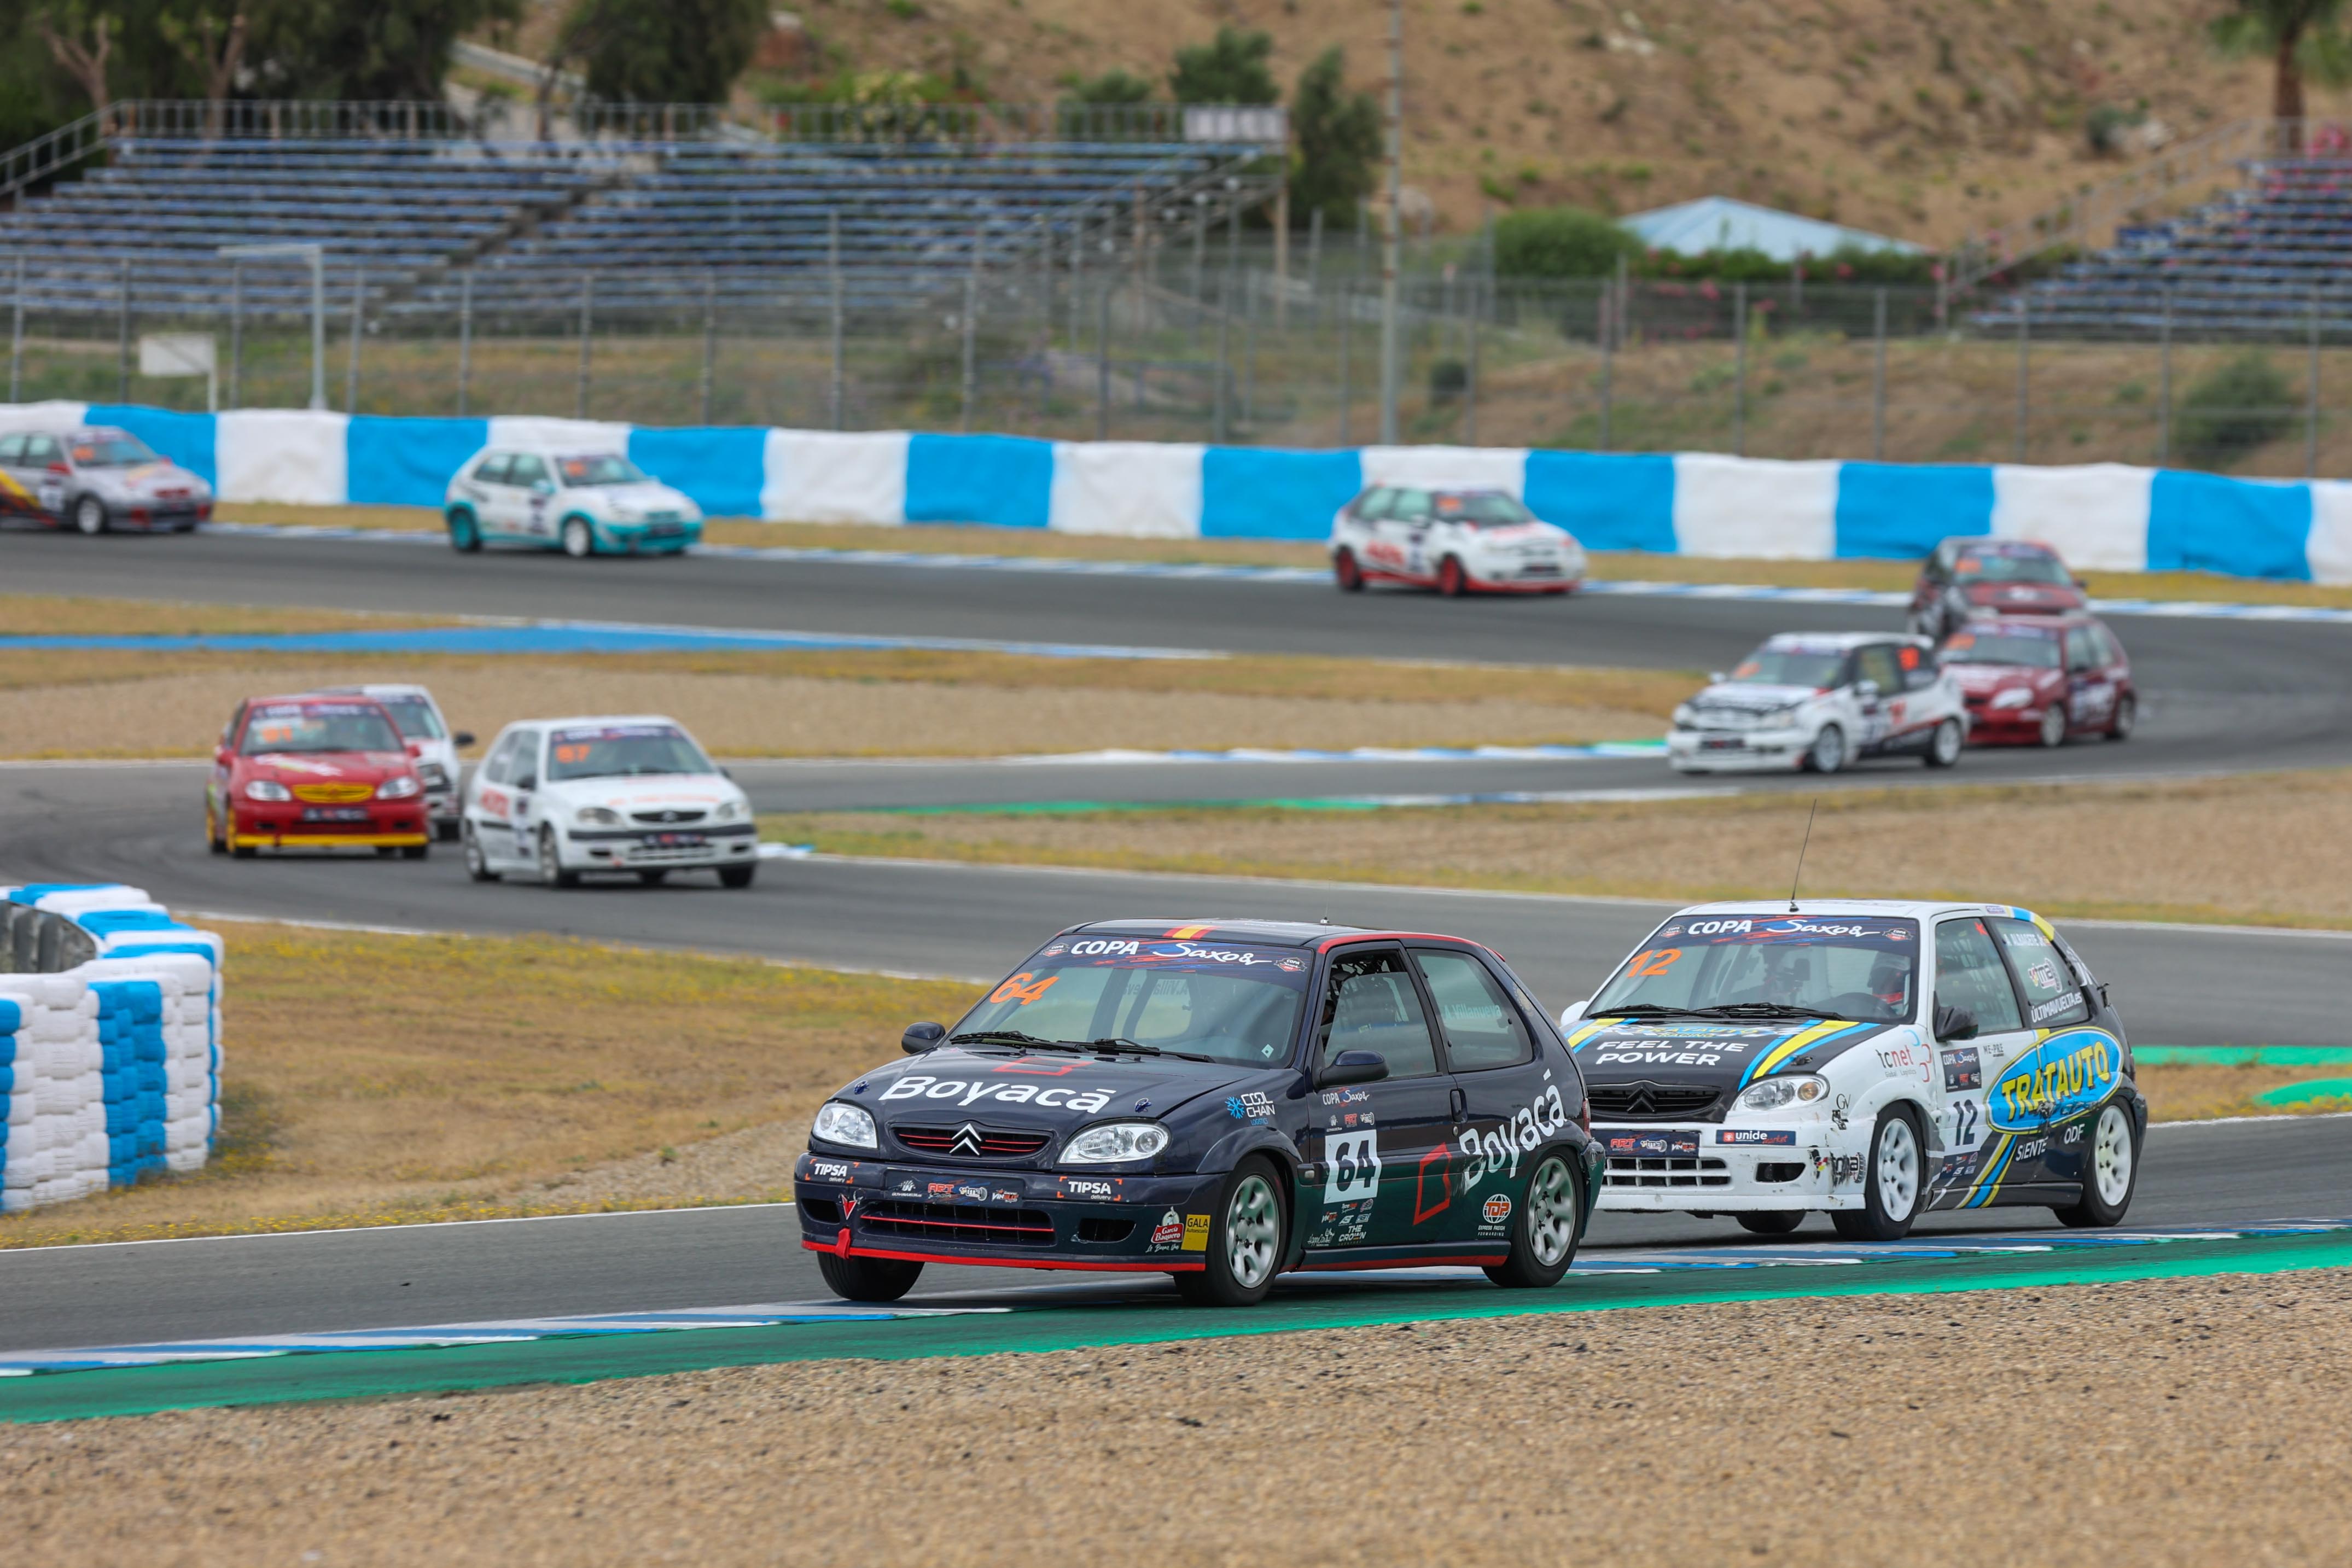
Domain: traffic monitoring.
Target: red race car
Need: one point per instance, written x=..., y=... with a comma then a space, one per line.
x=1970, y=577
x=2039, y=679
x=314, y=772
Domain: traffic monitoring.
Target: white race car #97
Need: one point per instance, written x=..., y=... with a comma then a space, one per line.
x=1818, y=700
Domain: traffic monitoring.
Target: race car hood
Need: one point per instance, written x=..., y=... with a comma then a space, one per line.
x=647, y=497
x=2024, y=598
x=295, y=769
x=1053, y=1091
x=145, y=480
x=1720, y=1056
x=1976, y=679
x=655, y=793
x=1738, y=697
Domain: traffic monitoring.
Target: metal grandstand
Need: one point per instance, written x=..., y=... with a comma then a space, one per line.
x=422, y=207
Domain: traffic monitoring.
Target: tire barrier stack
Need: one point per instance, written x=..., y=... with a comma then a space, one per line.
x=110, y=1041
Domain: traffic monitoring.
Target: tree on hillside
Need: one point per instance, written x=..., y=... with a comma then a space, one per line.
x=1230, y=70
x=2301, y=39
x=1559, y=242
x=1339, y=139
x=664, y=51
x=1115, y=86
x=380, y=51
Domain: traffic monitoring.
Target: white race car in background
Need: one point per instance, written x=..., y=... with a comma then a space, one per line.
x=1873, y=1060
x=1458, y=541
x=582, y=503
x=431, y=742
x=558, y=797
x=1818, y=700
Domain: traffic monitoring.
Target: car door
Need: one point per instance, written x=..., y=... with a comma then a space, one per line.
x=522, y=794
x=1878, y=694
x=46, y=474
x=1986, y=1143
x=531, y=487
x=2090, y=690
x=1506, y=1100
x=1405, y=531
x=2085, y=1066
x=492, y=809
x=484, y=489
x=1374, y=1144
x=1364, y=513
x=18, y=485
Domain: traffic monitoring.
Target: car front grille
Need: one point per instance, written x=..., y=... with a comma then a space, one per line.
x=1645, y=1101
x=981, y=1145
x=1681, y=1171
x=955, y=1222
x=666, y=819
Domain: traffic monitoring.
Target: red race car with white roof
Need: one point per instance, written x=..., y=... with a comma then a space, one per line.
x=314, y=771
x=2039, y=680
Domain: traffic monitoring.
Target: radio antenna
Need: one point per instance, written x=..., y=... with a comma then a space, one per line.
x=1801, y=848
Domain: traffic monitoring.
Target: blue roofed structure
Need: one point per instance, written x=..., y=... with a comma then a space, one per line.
x=1720, y=223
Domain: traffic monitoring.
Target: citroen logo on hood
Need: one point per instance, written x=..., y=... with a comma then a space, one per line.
x=966, y=1140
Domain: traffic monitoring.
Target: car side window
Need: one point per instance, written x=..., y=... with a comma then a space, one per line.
x=2081, y=652
x=41, y=449
x=11, y=449
x=1877, y=663
x=494, y=767
x=1375, y=505
x=2110, y=652
x=525, y=470
x=1409, y=506
x=1482, y=1027
x=1969, y=974
x=493, y=470
x=2051, y=996
x=523, y=767
x=1371, y=1006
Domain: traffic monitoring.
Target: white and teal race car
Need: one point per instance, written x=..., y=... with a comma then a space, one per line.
x=582, y=503
x=1871, y=1060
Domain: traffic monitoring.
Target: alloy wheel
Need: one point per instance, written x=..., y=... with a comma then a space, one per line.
x=1252, y=1228
x=1551, y=1217
x=2111, y=1154
x=1898, y=1168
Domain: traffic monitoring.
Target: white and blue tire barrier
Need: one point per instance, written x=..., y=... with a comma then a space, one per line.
x=2102, y=517
x=110, y=1041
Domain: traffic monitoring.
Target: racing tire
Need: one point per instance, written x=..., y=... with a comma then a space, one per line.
x=653, y=878
x=2113, y=1174
x=215, y=841
x=478, y=864
x=465, y=532
x=416, y=851
x=1347, y=573
x=89, y=517
x=2125, y=720
x=2052, y=733
x=1453, y=582
x=1248, y=1239
x=1892, y=1181
x=1827, y=753
x=244, y=851
x=738, y=875
x=578, y=538
x=1770, y=1222
x=551, y=861
x=868, y=1279
x=1944, y=746
x=1543, y=1237
x=384, y=851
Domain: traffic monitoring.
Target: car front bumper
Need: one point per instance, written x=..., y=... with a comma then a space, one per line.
x=649, y=538
x=1654, y=1169
x=1738, y=750
x=398, y=825
x=876, y=1208
x=650, y=849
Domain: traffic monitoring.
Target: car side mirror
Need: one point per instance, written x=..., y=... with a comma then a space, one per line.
x=1569, y=1014
x=1715, y=677
x=1865, y=690
x=463, y=737
x=922, y=1037
x=528, y=781
x=1352, y=1067
x=2084, y=583
x=542, y=486
x=1955, y=1023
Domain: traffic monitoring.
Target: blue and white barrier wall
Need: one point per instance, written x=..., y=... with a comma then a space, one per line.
x=2105, y=517
x=110, y=1062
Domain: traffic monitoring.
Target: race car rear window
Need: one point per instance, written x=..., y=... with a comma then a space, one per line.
x=2035, y=648
x=603, y=469
x=415, y=716
x=1224, y=1001
x=1484, y=510
x=623, y=751
x=2013, y=566
x=111, y=452
x=280, y=728
x=1863, y=967
x=2051, y=996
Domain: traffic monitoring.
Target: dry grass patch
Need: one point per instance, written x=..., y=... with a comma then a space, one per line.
x=2195, y=849
x=374, y=1078
x=47, y=615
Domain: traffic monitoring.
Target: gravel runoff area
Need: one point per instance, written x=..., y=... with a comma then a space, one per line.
x=2190, y=1421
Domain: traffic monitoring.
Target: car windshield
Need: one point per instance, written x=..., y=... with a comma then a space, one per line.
x=580, y=473
x=1486, y=510
x=1770, y=666
x=622, y=751
x=2032, y=649
x=1861, y=967
x=281, y=727
x=1213, y=1001
x=415, y=717
x=2022, y=566
x=112, y=452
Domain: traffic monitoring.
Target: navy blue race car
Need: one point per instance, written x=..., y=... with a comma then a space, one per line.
x=1220, y=1101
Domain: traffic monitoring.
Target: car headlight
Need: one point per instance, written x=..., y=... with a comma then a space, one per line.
x=399, y=789
x=2016, y=697
x=436, y=777
x=729, y=811
x=1684, y=717
x=621, y=514
x=847, y=1124
x=266, y=790
x=596, y=817
x=1115, y=1142
x=1796, y=1089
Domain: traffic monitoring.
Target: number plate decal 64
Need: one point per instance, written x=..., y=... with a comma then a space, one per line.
x=1351, y=1166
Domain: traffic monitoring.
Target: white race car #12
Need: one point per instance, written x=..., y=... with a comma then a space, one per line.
x=1871, y=1060
x=560, y=797
x=1818, y=700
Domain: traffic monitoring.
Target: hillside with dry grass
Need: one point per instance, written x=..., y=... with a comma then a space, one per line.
x=1921, y=120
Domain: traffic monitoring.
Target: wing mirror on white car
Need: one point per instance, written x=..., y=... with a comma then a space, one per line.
x=1715, y=677
x=1955, y=1023
x=1865, y=690
x=1573, y=1011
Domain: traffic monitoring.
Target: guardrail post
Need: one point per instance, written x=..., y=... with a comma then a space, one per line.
x=16, y=337
x=971, y=336
x=1878, y=379
x=2024, y=368
x=709, y=339
x=587, y=309
x=1315, y=265
x=465, y=340
x=236, y=334
x=351, y=361
x=1219, y=424
x=833, y=273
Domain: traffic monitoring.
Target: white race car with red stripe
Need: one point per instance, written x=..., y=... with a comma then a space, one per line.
x=1818, y=700
x=1456, y=541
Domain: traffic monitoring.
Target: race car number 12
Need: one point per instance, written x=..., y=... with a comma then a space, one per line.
x=1355, y=1173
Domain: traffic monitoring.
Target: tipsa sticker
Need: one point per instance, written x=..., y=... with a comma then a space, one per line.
x=1196, y=1233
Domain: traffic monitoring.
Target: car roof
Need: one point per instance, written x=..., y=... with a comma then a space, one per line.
x=89, y=433
x=1839, y=642
x=1257, y=933
x=581, y=721
x=291, y=698
x=379, y=689
x=1830, y=908
x=2058, y=621
x=2007, y=547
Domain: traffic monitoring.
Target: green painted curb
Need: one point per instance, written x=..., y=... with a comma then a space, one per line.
x=2242, y=1055
x=2310, y=1089
x=374, y=1374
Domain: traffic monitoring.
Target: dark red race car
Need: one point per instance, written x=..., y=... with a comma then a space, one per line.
x=1970, y=577
x=314, y=772
x=2040, y=679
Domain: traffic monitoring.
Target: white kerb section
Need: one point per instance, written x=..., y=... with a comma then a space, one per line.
x=292, y=455
x=1755, y=509
x=15, y=417
x=827, y=476
x=1140, y=489
x=1460, y=467
x=2094, y=515
x=548, y=433
x=2329, y=547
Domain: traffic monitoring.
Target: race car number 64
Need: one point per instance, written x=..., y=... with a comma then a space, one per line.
x=1355, y=1167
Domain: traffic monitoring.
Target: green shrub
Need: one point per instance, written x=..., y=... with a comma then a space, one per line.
x=1448, y=379
x=2243, y=404
x=1559, y=242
